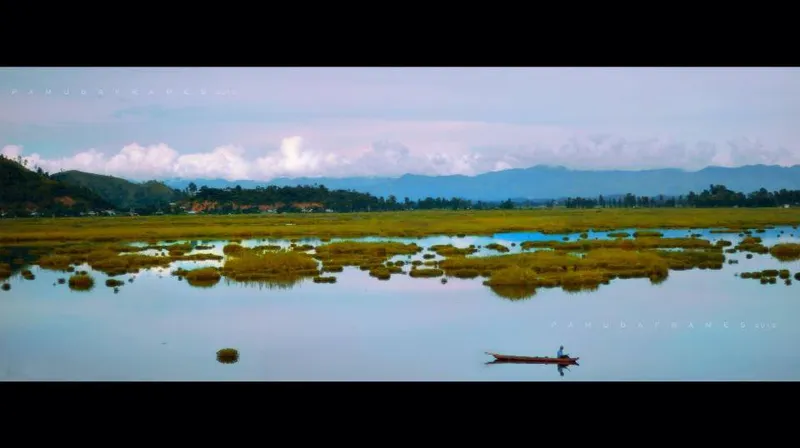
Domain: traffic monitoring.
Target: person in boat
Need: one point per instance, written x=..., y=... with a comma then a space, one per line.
x=561, y=353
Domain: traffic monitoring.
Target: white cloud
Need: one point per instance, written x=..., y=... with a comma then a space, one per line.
x=431, y=148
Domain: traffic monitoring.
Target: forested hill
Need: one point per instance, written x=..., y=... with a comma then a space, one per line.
x=24, y=191
x=122, y=193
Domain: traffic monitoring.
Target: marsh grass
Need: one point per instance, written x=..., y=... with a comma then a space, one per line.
x=55, y=262
x=113, y=283
x=797, y=276
x=228, y=355
x=81, y=282
x=497, y=247
x=381, y=273
x=289, y=266
x=394, y=224
x=752, y=244
x=628, y=244
x=578, y=272
x=28, y=275
x=448, y=250
x=322, y=279
x=786, y=251
x=203, y=277
x=425, y=273
x=368, y=256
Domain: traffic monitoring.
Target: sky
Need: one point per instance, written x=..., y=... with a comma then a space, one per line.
x=262, y=123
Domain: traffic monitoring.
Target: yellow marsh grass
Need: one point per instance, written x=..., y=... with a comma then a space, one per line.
x=786, y=251
x=497, y=247
x=638, y=243
x=448, y=250
x=250, y=265
x=203, y=277
x=81, y=282
x=367, y=255
x=398, y=224
x=573, y=273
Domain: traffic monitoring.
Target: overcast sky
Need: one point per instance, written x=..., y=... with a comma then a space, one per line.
x=261, y=123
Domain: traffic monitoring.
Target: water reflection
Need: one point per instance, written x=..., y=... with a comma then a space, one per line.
x=560, y=368
x=364, y=329
x=514, y=292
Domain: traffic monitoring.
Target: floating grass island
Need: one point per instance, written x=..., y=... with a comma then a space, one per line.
x=228, y=355
x=81, y=282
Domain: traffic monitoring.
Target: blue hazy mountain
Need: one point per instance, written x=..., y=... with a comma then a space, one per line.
x=542, y=182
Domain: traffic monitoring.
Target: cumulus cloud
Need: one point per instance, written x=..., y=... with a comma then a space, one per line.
x=429, y=149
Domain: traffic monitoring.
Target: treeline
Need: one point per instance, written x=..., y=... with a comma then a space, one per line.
x=320, y=198
x=714, y=196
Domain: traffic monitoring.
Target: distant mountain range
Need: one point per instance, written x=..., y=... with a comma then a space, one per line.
x=23, y=190
x=542, y=182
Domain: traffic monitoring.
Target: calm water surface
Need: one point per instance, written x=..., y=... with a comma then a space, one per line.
x=698, y=325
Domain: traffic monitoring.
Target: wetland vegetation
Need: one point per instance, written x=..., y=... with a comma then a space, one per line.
x=409, y=224
x=578, y=257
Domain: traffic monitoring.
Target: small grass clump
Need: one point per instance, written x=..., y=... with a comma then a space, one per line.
x=5, y=287
x=203, y=277
x=28, y=275
x=448, y=250
x=113, y=283
x=381, y=273
x=228, y=355
x=426, y=273
x=321, y=279
x=232, y=249
x=784, y=274
x=81, y=282
x=797, y=276
x=497, y=247
x=752, y=244
x=61, y=281
x=786, y=251
x=619, y=235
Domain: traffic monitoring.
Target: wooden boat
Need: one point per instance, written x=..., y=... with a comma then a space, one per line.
x=532, y=359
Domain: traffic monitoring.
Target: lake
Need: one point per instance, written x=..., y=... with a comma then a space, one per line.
x=697, y=325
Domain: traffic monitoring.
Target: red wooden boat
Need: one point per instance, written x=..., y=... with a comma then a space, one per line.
x=532, y=359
